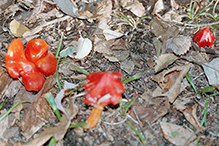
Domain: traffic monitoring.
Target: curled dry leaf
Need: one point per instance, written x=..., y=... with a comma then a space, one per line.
x=178, y=135
x=189, y=113
x=84, y=48
x=179, y=44
x=212, y=72
x=18, y=29
x=164, y=60
x=170, y=81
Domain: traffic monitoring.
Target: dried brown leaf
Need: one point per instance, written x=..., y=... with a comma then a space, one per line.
x=153, y=112
x=59, y=131
x=134, y=6
x=179, y=44
x=178, y=135
x=164, y=61
x=212, y=72
x=5, y=81
x=170, y=80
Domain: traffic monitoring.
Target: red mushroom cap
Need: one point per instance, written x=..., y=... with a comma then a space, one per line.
x=104, y=88
x=36, y=49
x=17, y=64
x=47, y=65
x=204, y=37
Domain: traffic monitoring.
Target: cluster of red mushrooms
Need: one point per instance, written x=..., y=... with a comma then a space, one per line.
x=32, y=65
x=103, y=88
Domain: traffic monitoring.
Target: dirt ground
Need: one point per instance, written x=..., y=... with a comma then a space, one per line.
x=153, y=114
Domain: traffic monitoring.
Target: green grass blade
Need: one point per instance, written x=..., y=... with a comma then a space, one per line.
x=141, y=18
x=58, y=48
x=80, y=69
x=52, y=141
x=137, y=132
x=129, y=105
x=2, y=104
x=53, y=105
x=7, y=113
x=82, y=124
x=131, y=79
x=206, y=89
x=125, y=17
x=205, y=113
x=191, y=82
x=203, y=9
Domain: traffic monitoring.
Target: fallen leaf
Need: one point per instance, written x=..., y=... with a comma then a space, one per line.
x=127, y=66
x=152, y=112
x=39, y=111
x=120, y=50
x=69, y=51
x=3, y=127
x=110, y=34
x=179, y=44
x=178, y=135
x=163, y=30
x=157, y=45
x=60, y=95
x=189, y=113
x=84, y=48
x=134, y=6
x=212, y=72
x=172, y=15
x=67, y=7
x=174, y=5
x=18, y=29
x=164, y=61
x=59, y=131
x=5, y=81
x=158, y=7
x=170, y=81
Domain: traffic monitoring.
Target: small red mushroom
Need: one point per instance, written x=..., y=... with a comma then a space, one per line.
x=17, y=64
x=37, y=52
x=103, y=88
x=204, y=37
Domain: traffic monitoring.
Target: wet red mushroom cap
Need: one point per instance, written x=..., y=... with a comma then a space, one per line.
x=104, y=88
x=204, y=37
x=17, y=64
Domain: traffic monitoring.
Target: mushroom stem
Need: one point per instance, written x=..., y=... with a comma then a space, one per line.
x=94, y=116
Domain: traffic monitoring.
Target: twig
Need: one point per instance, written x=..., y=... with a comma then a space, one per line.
x=186, y=25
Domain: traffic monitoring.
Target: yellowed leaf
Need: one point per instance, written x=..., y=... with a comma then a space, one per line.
x=17, y=29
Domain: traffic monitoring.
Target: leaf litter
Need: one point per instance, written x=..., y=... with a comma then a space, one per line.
x=106, y=45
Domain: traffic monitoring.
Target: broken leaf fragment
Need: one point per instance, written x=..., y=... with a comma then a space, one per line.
x=18, y=29
x=164, y=61
x=170, y=81
x=179, y=44
x=212, y=72
x=178, y=135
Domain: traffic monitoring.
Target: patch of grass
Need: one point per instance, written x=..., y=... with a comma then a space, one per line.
x=193, y=13
x=137, y=132
x=132, y=21
x=209, y=89
x=123, y=107
x=7, y=113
